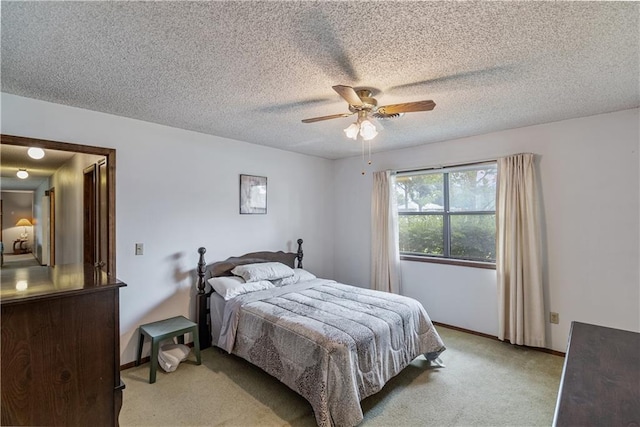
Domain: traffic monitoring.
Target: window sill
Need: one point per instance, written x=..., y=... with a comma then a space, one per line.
x=449, y=261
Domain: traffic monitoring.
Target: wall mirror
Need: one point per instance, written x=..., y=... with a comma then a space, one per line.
x=73, y=189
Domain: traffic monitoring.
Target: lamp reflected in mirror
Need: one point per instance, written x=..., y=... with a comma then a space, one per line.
x=24, y=222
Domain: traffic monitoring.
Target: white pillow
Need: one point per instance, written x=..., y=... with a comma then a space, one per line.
x=299, y=275
x=263, y=271
x=231, y=286
x=303, y=275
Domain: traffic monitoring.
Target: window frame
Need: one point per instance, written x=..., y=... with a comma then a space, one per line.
x=446, y=215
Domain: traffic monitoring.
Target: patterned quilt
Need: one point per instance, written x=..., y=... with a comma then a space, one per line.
x=334, y=344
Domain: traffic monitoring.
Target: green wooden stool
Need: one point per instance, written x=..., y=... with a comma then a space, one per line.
x=164, y=330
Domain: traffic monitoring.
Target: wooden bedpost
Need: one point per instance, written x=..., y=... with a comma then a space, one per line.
x=201, y=267
x=300, y=253
x=201, y=304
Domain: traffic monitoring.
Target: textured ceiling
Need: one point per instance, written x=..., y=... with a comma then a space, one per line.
x=252, y=71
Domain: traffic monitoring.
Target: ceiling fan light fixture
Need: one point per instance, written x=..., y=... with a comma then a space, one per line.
x=362, y=103
x=35, y=153
x=22, y=174
x=352, y=131
x=367, y=130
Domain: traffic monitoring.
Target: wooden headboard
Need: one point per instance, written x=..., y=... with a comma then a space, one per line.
x=223, y=268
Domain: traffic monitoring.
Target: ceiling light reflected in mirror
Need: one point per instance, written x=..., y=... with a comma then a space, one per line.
x=35, y=153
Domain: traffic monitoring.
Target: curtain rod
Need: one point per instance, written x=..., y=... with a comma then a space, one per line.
x=476, y=162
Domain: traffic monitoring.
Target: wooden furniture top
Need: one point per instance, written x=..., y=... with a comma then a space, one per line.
x=600, y=383
x=19, y=285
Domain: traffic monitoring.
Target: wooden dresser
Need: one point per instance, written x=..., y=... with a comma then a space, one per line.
x=600, y=383
x=60, y=346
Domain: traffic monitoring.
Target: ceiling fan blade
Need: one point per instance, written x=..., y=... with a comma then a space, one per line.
x=349, y=94
x=408, y=107
x=333, y=116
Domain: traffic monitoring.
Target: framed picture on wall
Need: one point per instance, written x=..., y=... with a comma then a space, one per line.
x=253, y=194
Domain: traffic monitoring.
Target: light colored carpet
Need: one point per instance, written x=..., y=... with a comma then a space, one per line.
x=485, y=383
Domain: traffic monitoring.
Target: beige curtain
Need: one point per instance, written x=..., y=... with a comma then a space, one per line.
x=518, y=259
x=385, y=253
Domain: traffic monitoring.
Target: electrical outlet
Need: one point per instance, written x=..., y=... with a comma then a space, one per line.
x=139, y=249
x=554, y=317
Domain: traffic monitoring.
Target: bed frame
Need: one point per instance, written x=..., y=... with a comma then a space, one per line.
x=223, y=268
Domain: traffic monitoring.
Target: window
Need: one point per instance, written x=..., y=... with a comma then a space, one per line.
x=448, y=213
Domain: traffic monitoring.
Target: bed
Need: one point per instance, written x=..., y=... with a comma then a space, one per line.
x=332, y=343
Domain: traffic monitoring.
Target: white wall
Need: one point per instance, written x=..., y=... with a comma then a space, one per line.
x=177, y=190
x=589, y=183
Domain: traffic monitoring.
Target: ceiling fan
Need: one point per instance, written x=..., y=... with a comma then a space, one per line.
x=362, y=103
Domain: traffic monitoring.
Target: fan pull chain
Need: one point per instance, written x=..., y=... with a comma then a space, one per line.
x=369, y=150
x=362, y=145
